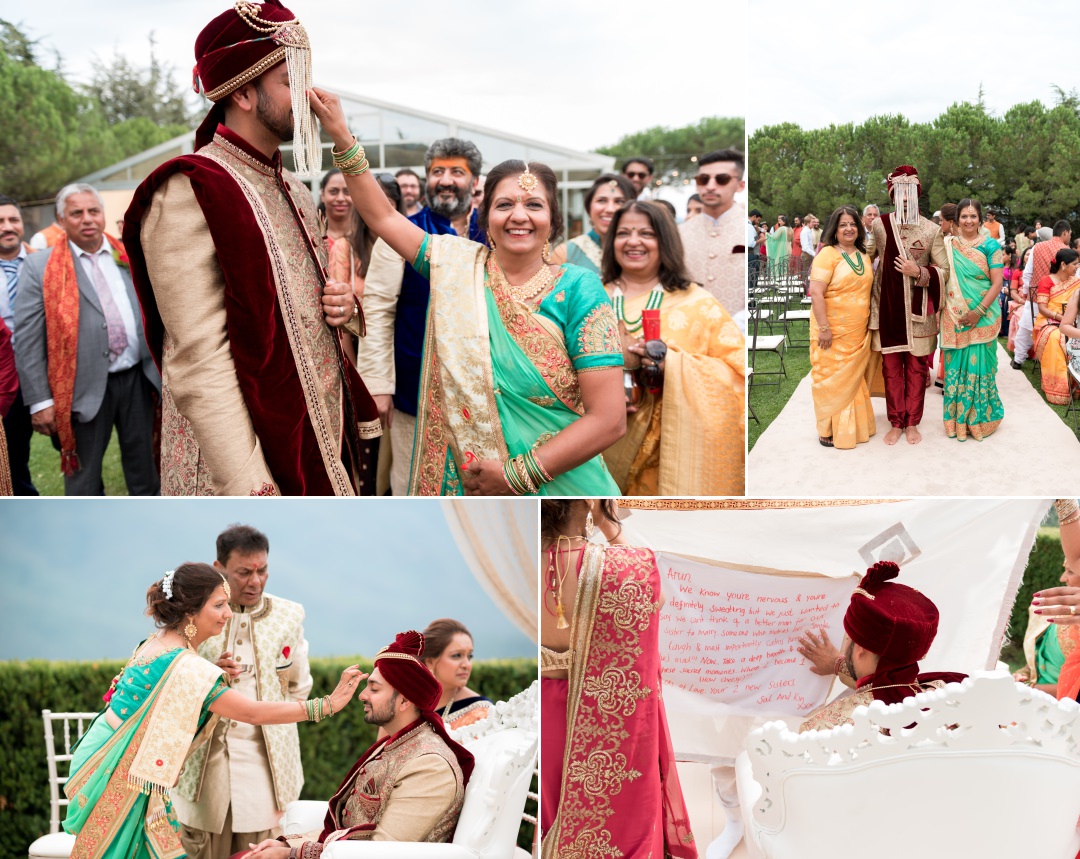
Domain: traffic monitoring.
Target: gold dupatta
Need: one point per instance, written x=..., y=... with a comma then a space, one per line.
x=457, y=407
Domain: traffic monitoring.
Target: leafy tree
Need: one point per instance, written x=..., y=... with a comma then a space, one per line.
x=51, y=133
x=672, y=148
x=54, y=133
x=126, y=91
x=16, y=45
x=1020, y=163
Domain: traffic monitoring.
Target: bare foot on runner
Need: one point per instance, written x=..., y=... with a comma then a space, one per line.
x=893, y=435
x=913, y=435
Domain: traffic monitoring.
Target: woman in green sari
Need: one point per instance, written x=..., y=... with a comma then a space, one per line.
x=970, y=321
x=163, y=704
x=778, y=247
x=521, y=382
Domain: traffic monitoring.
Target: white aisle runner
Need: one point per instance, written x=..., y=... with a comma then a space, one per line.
x=1032, y=453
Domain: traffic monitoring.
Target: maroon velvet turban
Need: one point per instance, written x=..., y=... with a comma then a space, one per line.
x=238, y=46
x=403, y=669
x=903, y=170
x=897, y=623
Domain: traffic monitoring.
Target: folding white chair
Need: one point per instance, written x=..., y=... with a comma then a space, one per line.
x=58, y=743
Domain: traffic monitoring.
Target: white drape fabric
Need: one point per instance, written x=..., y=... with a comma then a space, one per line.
x=967, y=555
x=500, y=541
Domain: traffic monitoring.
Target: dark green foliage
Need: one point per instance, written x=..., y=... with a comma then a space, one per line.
x=671, y=148
x=54, y=132
x=328, y=749
x=1018, y=163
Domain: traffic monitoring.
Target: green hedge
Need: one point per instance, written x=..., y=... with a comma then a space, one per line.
x=328, y=749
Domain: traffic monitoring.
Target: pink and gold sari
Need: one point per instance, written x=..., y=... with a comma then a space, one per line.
x=608, y=779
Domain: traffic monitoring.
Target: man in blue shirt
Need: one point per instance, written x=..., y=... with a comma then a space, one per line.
x=396, y=300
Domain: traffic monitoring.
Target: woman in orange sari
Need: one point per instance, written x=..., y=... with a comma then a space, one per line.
x=840, y=282
x=600, y=696
x=1053, y=295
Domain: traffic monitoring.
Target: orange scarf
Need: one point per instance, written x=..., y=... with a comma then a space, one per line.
x=60, y=292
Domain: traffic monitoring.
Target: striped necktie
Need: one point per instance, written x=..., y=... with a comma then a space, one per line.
x=11, y=271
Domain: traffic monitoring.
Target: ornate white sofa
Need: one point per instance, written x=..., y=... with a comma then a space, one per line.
x=990, y=768
x=505, y=747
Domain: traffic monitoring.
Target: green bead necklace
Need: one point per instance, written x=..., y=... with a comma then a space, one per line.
x=633, y=326
x=859, y=267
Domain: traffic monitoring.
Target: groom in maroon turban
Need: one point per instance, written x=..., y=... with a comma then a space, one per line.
x=890, y=627
x=229, y=262
x=912, y=271
x=410, y=785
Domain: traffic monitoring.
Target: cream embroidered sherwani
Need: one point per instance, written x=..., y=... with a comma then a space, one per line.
x=411, y=789
x=208, y=441
x=924, y=244
x=254, y=771
x=708, y=245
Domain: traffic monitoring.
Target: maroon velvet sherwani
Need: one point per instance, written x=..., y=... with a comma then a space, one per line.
x=229, y=264
x=903, y=310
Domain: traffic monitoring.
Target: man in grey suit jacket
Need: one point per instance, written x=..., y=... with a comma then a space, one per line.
x=115, y=377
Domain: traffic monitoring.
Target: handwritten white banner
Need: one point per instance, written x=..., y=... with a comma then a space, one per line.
x=731, y=636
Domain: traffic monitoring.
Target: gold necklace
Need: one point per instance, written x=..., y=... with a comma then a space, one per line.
x=541, y=279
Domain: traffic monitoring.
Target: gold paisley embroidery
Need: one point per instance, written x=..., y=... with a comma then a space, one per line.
x=631, y=605
x=591, y=844
x=599, y=333
x=617, y=691
x=546, y=402
x=546, y=354
x=603, y=773
x=596, y=766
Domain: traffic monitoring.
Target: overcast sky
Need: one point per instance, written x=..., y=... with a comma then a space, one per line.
x=572, y=73
x=847, y=63
x=74, y=572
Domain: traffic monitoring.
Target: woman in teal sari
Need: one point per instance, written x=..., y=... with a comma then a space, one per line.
x=970, y=321
x=521, y=382
x=163, y=704
x=606, y=196
x=778, y=247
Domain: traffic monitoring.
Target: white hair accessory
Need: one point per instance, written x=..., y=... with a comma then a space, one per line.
x=166, y=583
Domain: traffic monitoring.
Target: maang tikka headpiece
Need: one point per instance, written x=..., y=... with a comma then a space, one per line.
x=527, y=181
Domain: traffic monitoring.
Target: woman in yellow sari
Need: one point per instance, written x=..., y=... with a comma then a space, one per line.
x=686, y=436
x=1054, y=292
x=840, y=281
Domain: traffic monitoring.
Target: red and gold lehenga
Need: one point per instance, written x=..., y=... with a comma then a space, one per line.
x=609, y=787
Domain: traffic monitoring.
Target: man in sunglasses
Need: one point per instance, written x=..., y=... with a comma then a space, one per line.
x=715, y=241
x=640, y=172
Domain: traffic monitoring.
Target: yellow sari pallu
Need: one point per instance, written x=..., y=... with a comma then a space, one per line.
x=839, y=374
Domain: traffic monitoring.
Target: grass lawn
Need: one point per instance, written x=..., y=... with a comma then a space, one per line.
x=45, y=467
x=767, y=401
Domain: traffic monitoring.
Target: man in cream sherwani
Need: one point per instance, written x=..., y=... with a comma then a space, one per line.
x=235, y=787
